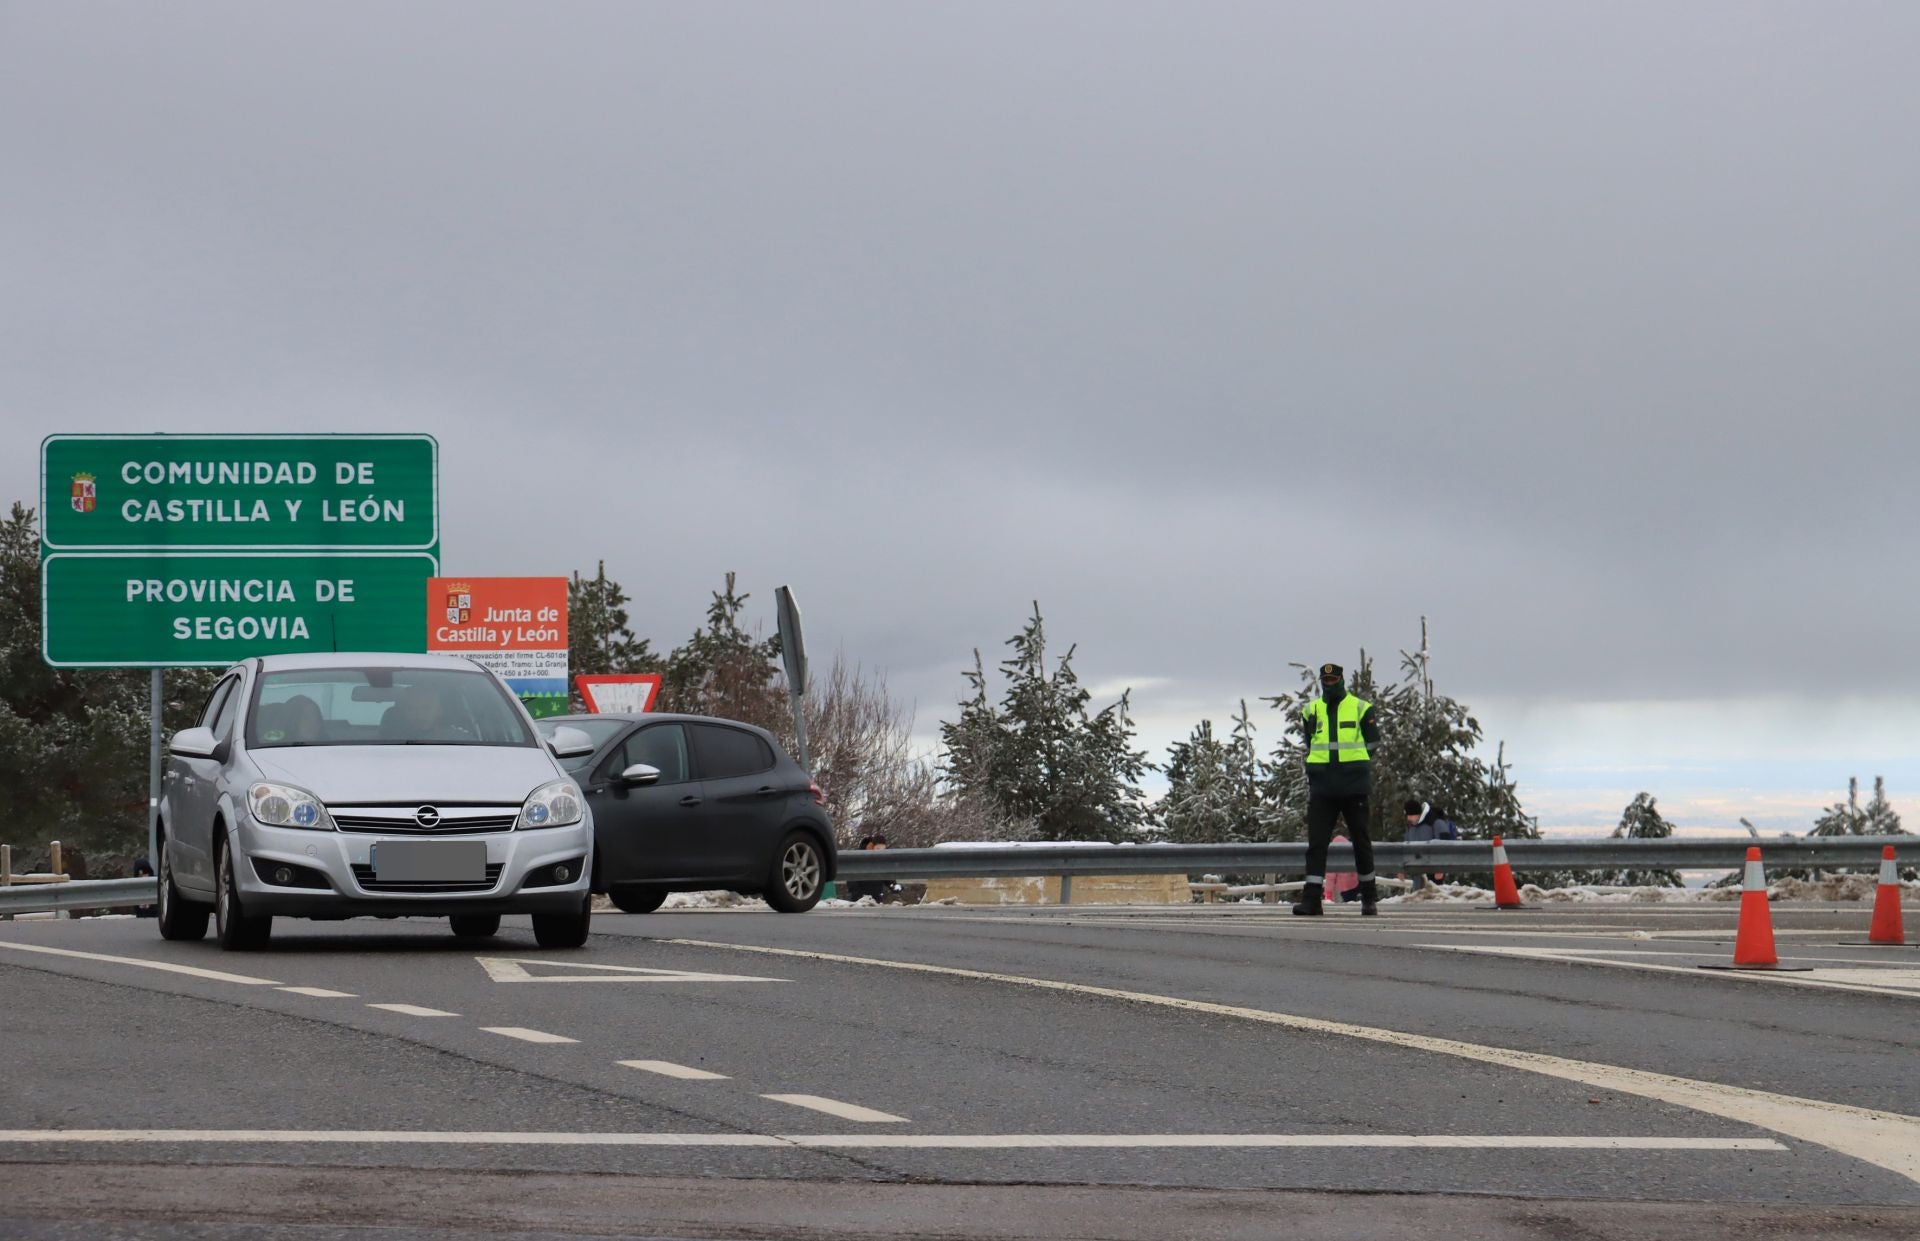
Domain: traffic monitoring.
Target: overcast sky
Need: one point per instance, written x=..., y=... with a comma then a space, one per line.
x=1234, y=333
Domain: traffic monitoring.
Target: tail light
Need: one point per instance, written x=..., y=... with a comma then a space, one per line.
x=819, y=798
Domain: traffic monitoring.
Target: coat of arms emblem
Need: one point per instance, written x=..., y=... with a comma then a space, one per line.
x=84, y=495
x=459, y=602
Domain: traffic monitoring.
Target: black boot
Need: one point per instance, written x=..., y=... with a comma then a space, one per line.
x=1309, y=903
x=1369, y=898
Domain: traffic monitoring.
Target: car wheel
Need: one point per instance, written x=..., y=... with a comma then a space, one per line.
x=232, y=927
x=179, y=917
x=567, y=930
x=799, y=874
x=475, y=926
x=637, y=900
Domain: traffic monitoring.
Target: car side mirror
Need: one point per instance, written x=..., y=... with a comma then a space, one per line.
x=640, y=773
x=193, y=743
x=570, y=743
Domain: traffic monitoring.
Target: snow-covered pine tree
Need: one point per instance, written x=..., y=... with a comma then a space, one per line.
x=724, y=670
x=1054, y=770
x=1849, y=818
x=1642, y=820
x=1218, y=790
x=1197, y=808
x=599, y=639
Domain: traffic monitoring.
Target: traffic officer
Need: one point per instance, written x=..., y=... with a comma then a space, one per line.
x=1339, y=778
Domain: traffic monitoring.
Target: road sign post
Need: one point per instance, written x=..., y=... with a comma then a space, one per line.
x=793, y=653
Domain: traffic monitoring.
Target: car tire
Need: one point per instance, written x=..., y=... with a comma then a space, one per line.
x=799, y=874
x=236, y=931
x=637, y=900
x=567, y=930
x=475, y=926
x=179, y=918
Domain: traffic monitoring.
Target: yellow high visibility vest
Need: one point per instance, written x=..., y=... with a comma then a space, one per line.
x=1350, y=745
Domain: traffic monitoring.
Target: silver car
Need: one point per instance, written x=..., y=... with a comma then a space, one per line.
x=331, y=786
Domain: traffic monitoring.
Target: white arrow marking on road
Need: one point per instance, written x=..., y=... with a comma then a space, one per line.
x=514, y=969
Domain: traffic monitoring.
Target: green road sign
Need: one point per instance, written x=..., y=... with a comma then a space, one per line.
x=177, y=550
x=159, y=609
x=240, y=492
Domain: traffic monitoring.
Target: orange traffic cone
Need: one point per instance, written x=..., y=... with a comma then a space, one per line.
x=1886, y=927
x=1753, y=942
x=1506, y=895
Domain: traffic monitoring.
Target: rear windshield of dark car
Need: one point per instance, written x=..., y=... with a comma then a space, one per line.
x=601, y=731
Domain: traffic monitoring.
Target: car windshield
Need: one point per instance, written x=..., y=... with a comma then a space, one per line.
x=602, y=731
x=383, y=706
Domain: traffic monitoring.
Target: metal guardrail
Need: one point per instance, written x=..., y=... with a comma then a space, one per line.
x=1466, y=856
x=79, y=894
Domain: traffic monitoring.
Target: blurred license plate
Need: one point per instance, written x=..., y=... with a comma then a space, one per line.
x=430, y=861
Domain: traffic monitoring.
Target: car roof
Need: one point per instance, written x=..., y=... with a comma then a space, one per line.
x=651, y=716
x=365, y=659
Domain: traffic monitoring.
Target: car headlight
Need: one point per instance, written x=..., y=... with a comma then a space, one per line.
x=283, y=805
x=551, y=805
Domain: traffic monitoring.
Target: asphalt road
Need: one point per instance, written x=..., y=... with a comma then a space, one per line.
x=1098, y=1072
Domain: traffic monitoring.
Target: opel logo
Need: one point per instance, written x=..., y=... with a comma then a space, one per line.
x=427, y=816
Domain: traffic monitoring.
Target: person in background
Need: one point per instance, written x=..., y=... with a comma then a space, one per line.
x=1428, y=823
x=143, y=869
x=1345, y=886
x=876, y=888
x=1417, y=833
x=1441, y=825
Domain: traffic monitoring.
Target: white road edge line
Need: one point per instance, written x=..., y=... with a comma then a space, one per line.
x=413, y=1010
x=192, y=971
x=833, y=1107
x=1884, y=1139
x=667, y=1068
x=321, y=993
x=1603, y=957
x=919, y=1141
x=528, y=1036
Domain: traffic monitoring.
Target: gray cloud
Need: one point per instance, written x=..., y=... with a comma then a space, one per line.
x=1235, y=333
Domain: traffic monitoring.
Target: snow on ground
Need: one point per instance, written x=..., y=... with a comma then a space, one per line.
x=1827, y=888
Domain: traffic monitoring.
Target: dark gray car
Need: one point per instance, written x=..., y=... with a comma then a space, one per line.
x=688, y=803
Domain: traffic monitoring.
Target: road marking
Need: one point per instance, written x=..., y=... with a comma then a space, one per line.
x=414, y=1010
x=667, y=1068
x=321, y=993
x=833, y=1107
x=1885, y=1139
x=192, y=971
x=1869, y=981
x=528, y=1036
x=514, y=969
x=896, y=1141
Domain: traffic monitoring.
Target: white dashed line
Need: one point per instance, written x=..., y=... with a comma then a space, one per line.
x=192, y=971
x=414, y=1010
x=321, y=993
x=918, y=1141
x=833, y=1107
x=667, y=1068
x=528, y=1036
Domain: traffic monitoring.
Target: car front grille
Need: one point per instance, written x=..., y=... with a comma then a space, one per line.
x=363, y=875
x=399, y=820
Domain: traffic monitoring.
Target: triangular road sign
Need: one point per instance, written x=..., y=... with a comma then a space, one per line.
x=514, y=969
